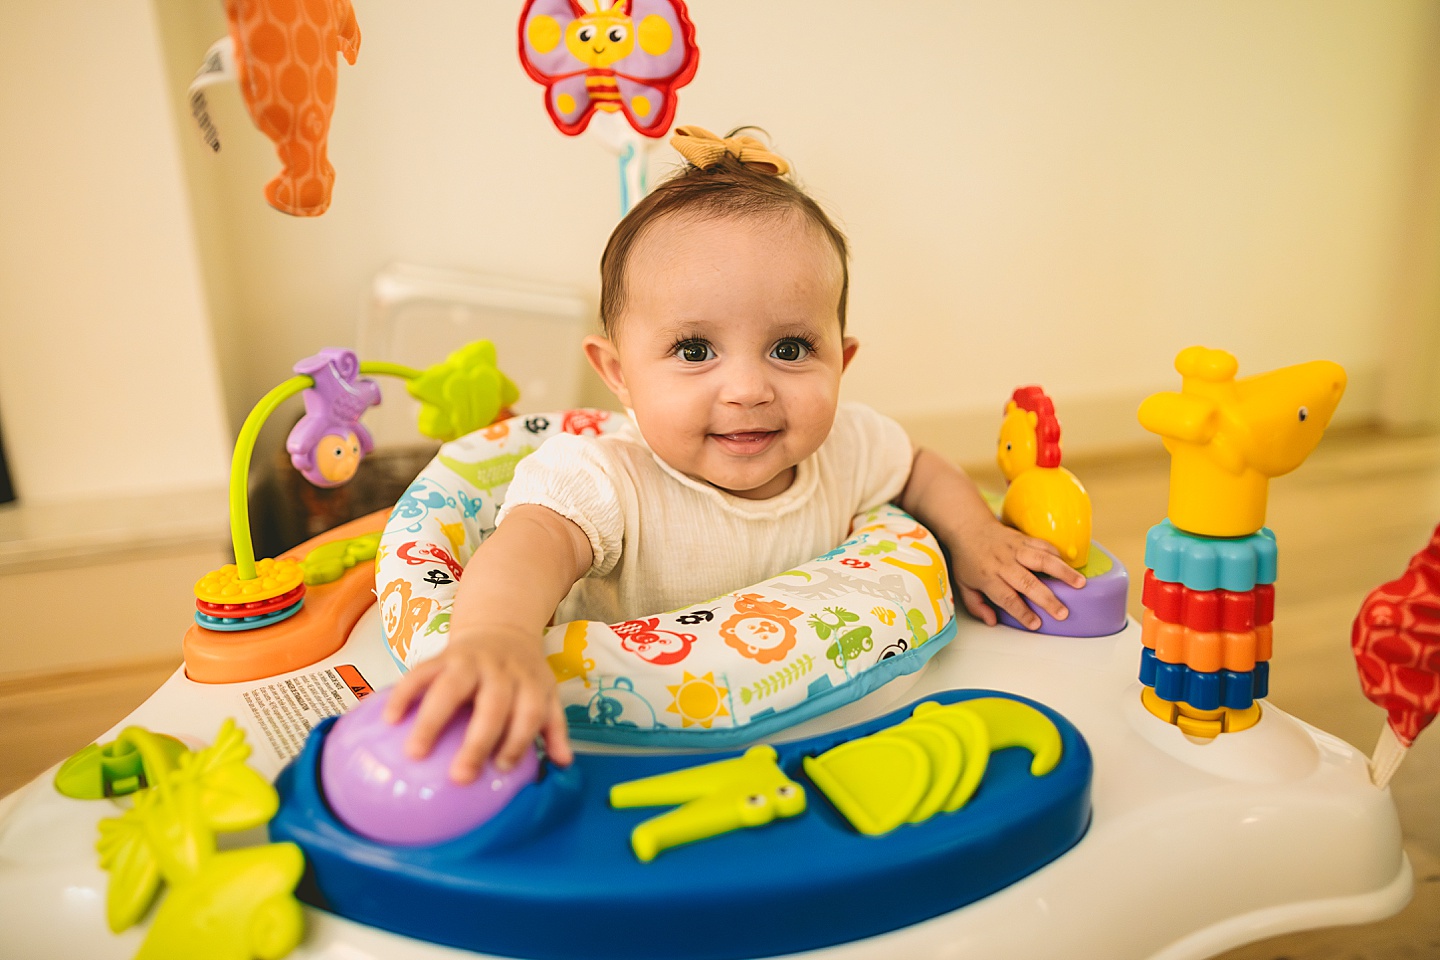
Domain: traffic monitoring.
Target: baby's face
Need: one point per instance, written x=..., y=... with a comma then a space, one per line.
x=729, y=350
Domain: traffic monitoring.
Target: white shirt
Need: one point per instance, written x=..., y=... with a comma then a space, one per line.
x=662, y=541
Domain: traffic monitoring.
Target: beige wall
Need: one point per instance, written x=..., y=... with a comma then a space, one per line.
x=1059, y=192
x=108, y=383
x=1410, y=394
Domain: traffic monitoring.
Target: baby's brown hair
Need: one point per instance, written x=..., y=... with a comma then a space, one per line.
x=728, y=187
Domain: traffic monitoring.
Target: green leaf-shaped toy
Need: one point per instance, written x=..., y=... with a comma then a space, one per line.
x=463, y=393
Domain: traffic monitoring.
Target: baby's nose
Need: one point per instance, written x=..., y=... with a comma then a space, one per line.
x=747, y=383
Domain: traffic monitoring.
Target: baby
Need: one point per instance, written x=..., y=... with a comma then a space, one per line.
x=723, y=310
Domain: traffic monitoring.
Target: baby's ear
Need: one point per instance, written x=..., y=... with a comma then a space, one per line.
x=603, y=356
x=848, y=346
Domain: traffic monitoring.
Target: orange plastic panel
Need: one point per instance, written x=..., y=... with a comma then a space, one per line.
x=331, y=611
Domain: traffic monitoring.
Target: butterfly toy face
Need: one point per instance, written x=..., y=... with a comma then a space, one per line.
x=598, y=40
x=626, y=56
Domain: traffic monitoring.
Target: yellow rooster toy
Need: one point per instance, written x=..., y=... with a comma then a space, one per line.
x=1043, y=499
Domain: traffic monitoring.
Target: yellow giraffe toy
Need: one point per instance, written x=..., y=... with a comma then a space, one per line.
x=1228, y=437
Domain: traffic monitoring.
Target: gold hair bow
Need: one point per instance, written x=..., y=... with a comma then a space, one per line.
x=703, y=149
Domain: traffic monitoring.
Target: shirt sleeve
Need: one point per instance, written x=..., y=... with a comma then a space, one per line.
x=574, y=477
x=881, y=452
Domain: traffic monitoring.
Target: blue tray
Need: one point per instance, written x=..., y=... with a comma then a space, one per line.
x=552, y=877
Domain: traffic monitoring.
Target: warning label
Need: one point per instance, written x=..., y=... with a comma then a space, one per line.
x=287, y=710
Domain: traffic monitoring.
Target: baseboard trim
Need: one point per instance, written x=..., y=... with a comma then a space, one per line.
x=41, y=682
x=62, y=534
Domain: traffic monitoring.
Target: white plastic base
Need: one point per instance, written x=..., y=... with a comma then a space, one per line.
x=1196, y=846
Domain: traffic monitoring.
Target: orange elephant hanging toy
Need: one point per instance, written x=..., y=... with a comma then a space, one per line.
x=283, y=55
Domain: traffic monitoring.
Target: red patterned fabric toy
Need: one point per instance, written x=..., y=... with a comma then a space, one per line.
x=1396, y=642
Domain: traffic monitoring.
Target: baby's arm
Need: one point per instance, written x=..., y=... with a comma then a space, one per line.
x=988, y=557
x=494, y=657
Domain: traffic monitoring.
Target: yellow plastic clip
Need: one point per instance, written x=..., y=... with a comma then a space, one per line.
x=931, y=763
x=1010, y=723
x=974, y=738
x=132, y=761
x=876, y=782
x=745, y=791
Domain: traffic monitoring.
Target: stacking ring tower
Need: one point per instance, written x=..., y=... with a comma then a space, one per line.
x=1209, y=592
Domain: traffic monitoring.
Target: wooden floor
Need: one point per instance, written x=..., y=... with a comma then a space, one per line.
x=1346, y=521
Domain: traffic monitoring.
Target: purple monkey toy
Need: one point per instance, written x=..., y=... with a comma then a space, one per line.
x=326, y=446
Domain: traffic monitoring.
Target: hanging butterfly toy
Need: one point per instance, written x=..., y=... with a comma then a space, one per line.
x=625, y=58
x=630, y=56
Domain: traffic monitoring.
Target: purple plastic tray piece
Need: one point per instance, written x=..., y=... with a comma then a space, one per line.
x=1096, y=609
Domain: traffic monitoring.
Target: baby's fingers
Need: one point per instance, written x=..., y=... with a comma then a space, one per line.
x=443, y=698
x=492, y=707
x=1041, y=546
x=409, y=689
x=1032, y=587
x=974, y=601
x=1048, y=562
x=557, y=736
x=527, y=716
x=1008, y=600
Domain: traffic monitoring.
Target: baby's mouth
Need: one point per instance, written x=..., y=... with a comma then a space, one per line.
x=745, y=441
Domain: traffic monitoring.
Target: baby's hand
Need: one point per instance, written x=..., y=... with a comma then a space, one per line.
x=505, y=676
x=997, y=561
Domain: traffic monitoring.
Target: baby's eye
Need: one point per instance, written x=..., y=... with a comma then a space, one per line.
x=791, y=350
x=694, y=351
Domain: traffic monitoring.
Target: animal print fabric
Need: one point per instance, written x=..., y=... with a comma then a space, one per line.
x=735, y=660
